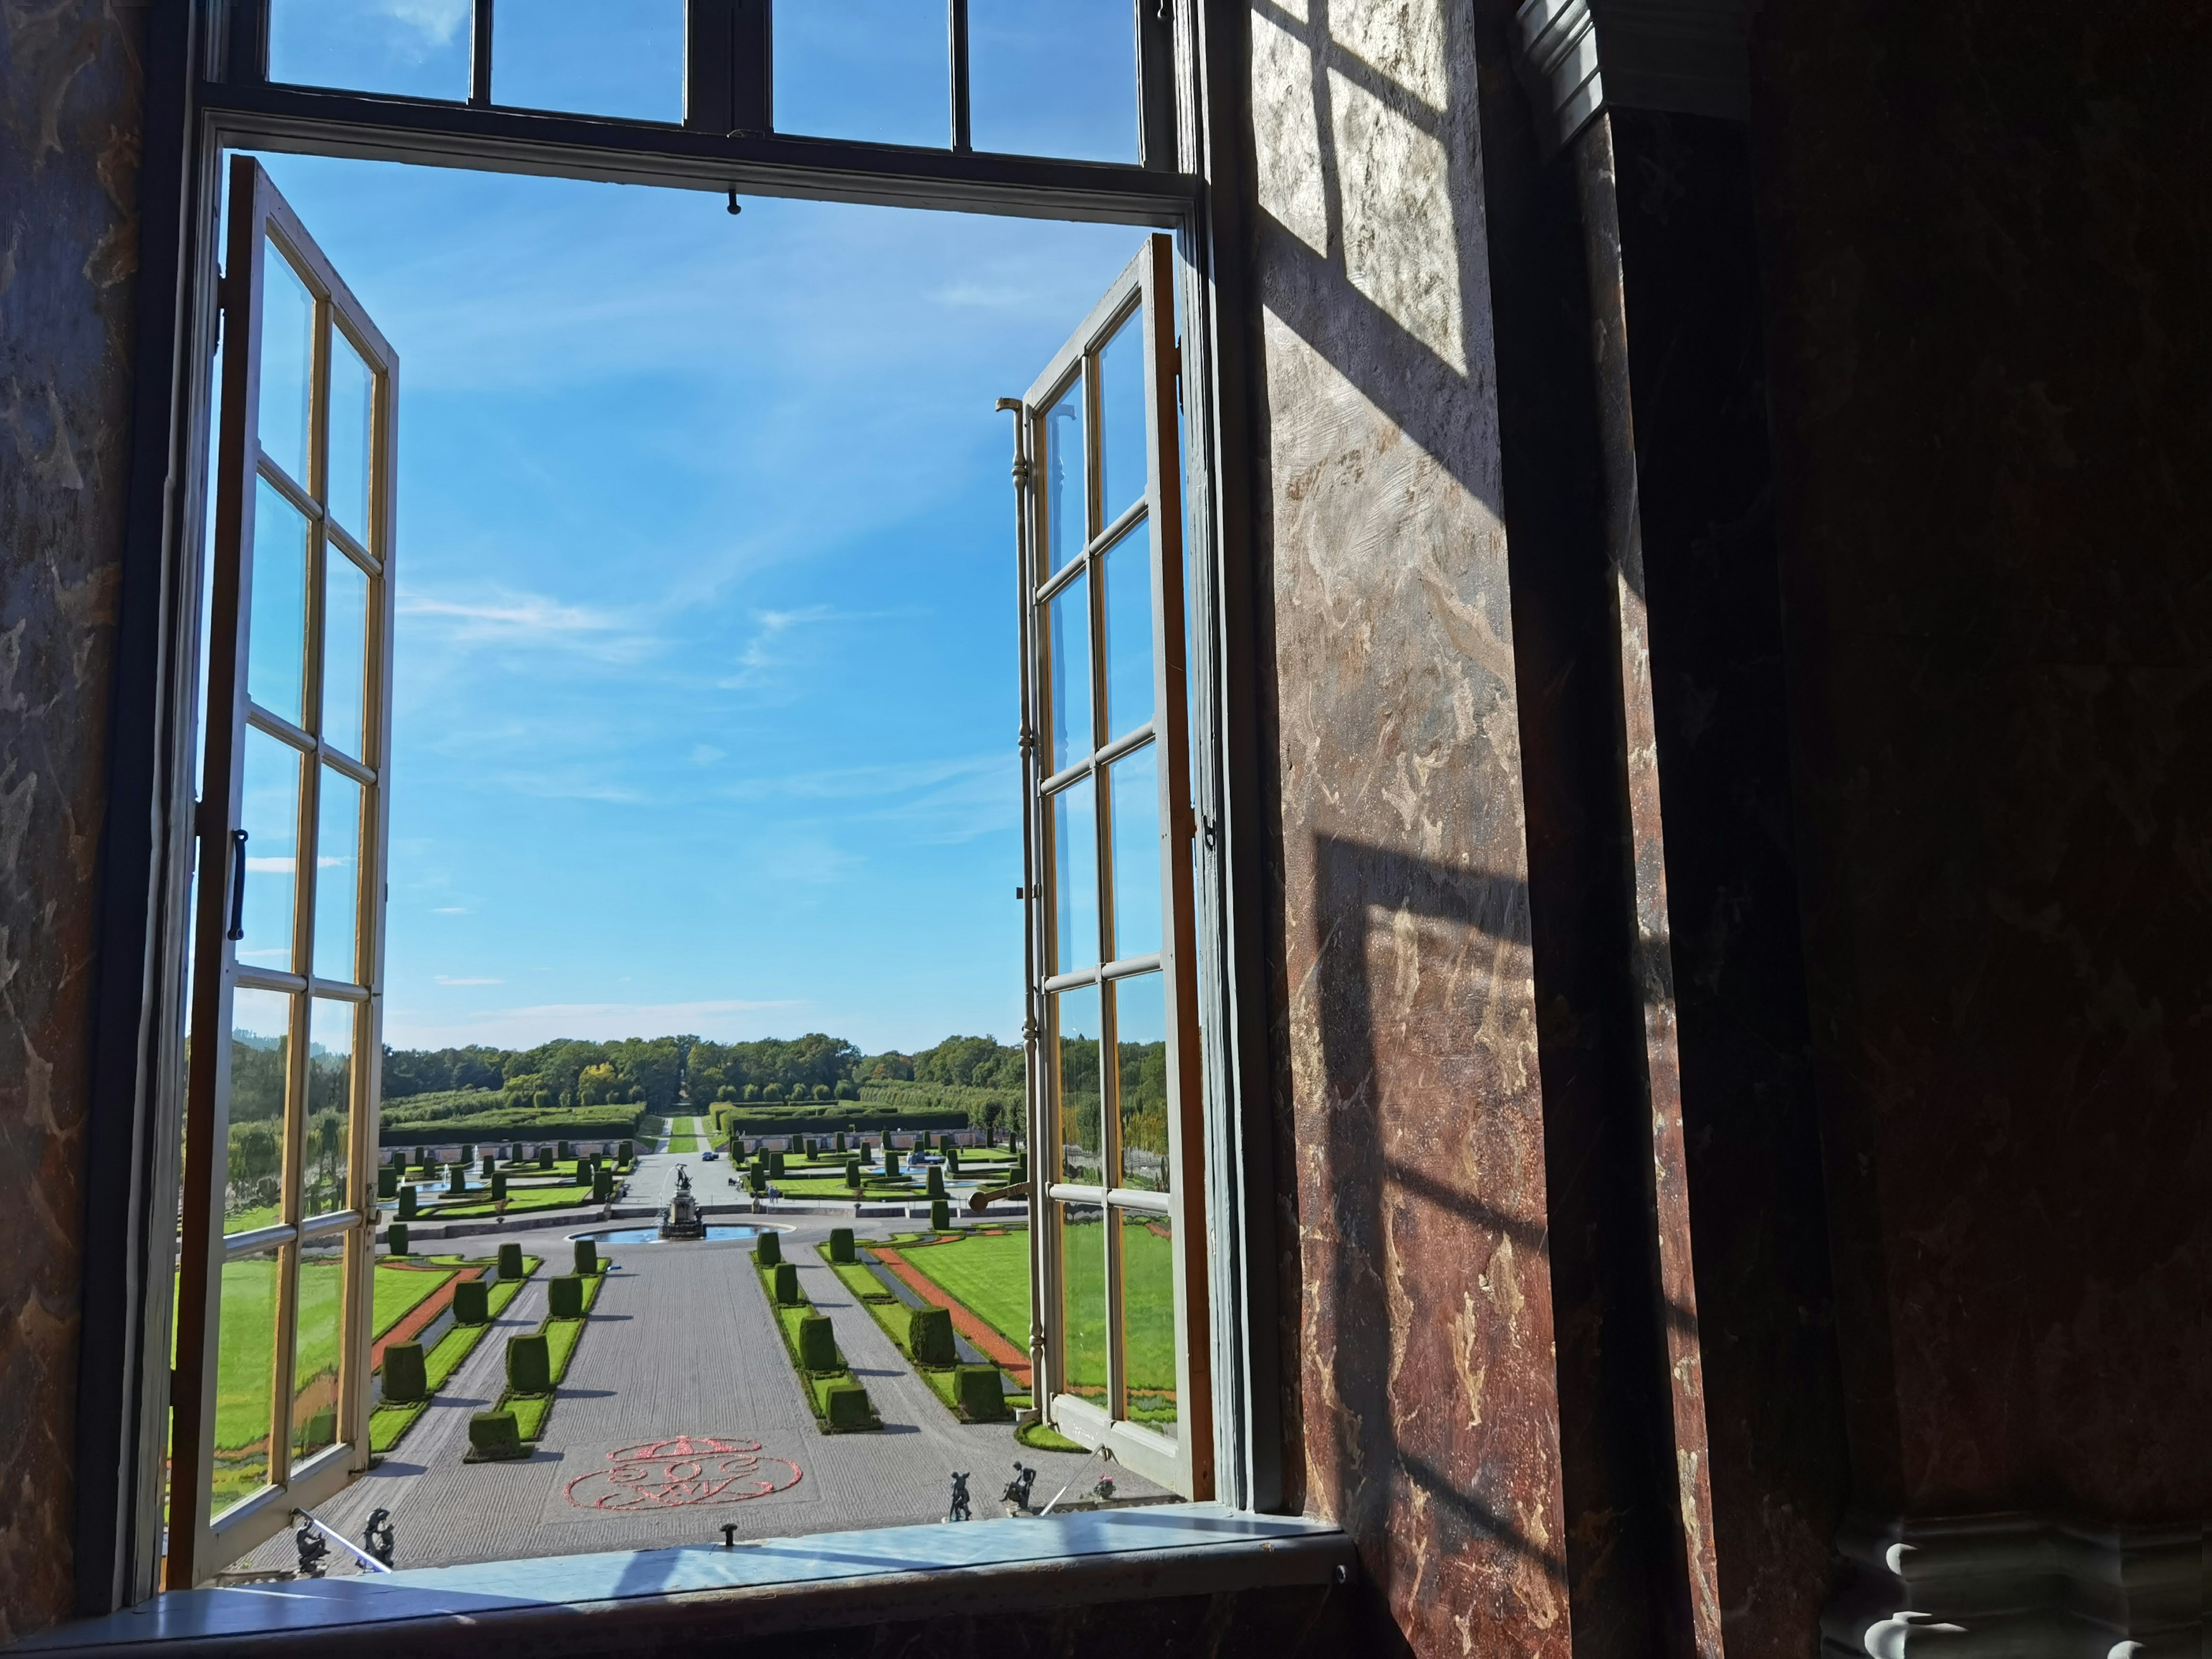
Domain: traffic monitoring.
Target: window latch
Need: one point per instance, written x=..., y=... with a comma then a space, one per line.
x=237, y=886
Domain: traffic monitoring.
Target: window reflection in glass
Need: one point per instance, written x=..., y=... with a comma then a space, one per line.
x=1140, y=1048
x=270, y=815
x=276, y=638
x=1067, y=522
x=417, y=48
x=1121, y=440
x=1075, y=878
x=353, y=432
x=245, y=1378
x=345, y=652
x=338, y=877
x=327, y=1139
x=1134, y=780
x=1053, y=80
x=1068, y=652
x=1083, y=1301
x=319, y=1338
x=260, y=1065
x=1148, y=1321
x=288, y=359
x=1075, y=1035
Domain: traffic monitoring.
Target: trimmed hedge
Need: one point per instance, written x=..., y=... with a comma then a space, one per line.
x=406, y=1381
x=929, y=1337
x=471, y=1303
x=840, y=1244
x=510, y=1261
x=564, y=1297
x=529, y=1364
x=494, y=1437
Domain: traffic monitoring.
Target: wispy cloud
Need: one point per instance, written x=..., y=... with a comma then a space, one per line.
x=449, y=910
x=524, y=620
x=721, y=1019
x=443, y=979
x=436, y=21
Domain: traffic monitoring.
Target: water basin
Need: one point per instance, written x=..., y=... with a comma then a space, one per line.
x=651, y=1235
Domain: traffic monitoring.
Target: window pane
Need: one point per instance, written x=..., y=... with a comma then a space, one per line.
x=330, y=1106
x=260, y=1061
x=277, y=639
x=1141, y=1031
x=245, y=1378
x=288, y=356
x=270, y=816
x=419, y=48
x=1054, y=77
x=1148, y=1327
x=318, y=1337
x=1128, y=576
x=338, y=877
x=1083, y=1300
x=1074, y=879
x=863, y=68
x=590, y=56
x=1066, y=528
x=1067, y=648
x=1121, y=418
x=345, y=651
x=1135, y=781
x=353, y=431
x=1075, y=1031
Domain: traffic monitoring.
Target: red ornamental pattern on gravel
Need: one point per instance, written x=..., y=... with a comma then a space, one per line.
x=690, y=1469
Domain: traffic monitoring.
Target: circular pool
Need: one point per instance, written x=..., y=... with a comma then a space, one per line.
x=651, y=1235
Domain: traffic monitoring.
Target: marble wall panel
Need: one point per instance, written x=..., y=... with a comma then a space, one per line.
x=70, y=80
x=1985, y=234
x=1417, y=1284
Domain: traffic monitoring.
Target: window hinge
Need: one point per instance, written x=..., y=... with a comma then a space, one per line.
x=1029, y=740
x=1021, y=472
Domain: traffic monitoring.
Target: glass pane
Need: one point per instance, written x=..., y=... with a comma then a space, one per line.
x=245, y=1378
x=419, y=48
x=330, y=1106
x=863, y=68
x=1074, y=878
x=1053, y=80
x=260, y=1061
x=1075, y=1029
x=1121, y=443
x=1140, y=1032
x=590, y=56
x=338, y=877
x=1083, y=1300
x=276, y=641
x=318, y=1337
x=270, y=815
x=1067, y=525
x=345, y=651
x=1127, y=567
x=1067, y=623
x=287, y=357
x=1135, y=781
x=353, y=434
x=1148, y=1325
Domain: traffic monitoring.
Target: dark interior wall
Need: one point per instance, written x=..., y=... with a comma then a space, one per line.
x=69, y=79
x=1985, y=237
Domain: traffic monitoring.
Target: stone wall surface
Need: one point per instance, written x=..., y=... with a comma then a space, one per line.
x=1417, y=1285
x=1984, y=228
x=69, y=82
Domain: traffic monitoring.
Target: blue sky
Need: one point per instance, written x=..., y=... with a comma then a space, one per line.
x=706, y=688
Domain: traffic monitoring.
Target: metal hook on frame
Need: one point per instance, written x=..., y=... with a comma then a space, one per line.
x=734, y=208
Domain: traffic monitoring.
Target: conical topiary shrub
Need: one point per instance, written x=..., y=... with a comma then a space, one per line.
x=388, y=1181
x=840, y=1244
x=980, y=1394
x=395, y=1236
x=499, y=1186
x=564, y=1297
x=787, y=1293
x=818, y=1346
x=936, y=1181
x=768, y=1250
x=940, y=1215
x=510, y=1261
x=471, y=1303
x=587, y=1257
x=890, y=1164
x=406, y=1381
x=853, y=1176
x=929, y=1336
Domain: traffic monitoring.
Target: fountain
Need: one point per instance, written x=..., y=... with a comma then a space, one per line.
x=681, y=1219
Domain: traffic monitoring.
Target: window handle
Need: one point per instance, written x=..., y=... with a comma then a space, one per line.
x=237, y=886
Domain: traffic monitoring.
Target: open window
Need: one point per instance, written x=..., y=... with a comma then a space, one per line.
x=1118, y=1276
x=271, y=1380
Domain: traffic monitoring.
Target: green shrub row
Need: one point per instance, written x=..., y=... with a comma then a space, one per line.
x=974, y=1393
x=838, y=1400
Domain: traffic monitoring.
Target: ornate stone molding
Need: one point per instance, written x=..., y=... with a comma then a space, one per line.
x=1579, y=56
x=2021, y=1586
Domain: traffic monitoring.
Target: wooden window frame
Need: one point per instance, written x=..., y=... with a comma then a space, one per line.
x=205, y=95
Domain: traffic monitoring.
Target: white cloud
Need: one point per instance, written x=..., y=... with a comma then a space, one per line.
x=436, y=21
x=449, y=910
x=511, y=619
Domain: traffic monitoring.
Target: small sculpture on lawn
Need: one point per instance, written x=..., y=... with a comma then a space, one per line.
x=377, y=1537
x=312, y=1549
x=959, y=1510
x=1017, y=1489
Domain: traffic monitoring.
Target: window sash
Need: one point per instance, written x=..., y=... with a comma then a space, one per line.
x=263, y=228
x=1141, y=297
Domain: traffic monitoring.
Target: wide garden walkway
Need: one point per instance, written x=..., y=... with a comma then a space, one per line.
x=681, y=1342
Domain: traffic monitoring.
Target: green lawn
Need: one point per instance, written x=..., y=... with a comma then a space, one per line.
x=520, y=1201
x=990, y=1273
x=684, y=1135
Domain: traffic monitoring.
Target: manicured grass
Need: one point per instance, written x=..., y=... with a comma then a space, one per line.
x=683, y=1136
x=400, y=1289
x=520, y=1201
x=1042, y=1437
